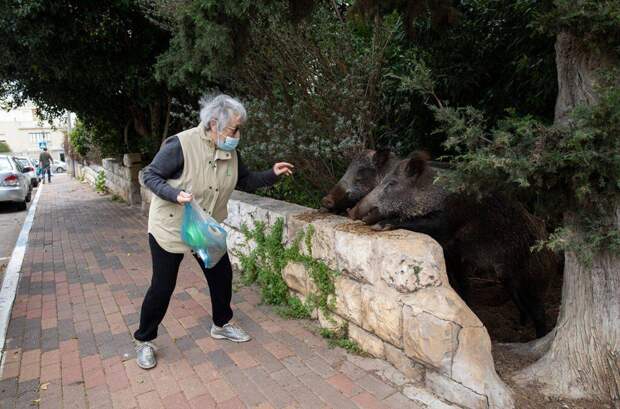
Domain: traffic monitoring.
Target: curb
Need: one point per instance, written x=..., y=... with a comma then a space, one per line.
x=11, y=276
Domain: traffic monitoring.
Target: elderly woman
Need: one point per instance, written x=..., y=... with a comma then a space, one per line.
x=200, y=164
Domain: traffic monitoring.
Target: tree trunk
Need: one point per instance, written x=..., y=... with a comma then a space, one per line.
x=581, y=357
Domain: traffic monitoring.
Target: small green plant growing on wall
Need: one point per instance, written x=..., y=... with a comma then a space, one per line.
x=265, y=262
x=340, y=338
x=100, y=182
x=117, y=198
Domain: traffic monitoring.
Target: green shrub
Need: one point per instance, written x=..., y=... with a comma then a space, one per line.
x=100, y=182
x=265, y=262
x=4, y=147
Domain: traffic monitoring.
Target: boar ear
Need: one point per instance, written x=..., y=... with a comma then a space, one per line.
x=418, y=161
x=380, y=157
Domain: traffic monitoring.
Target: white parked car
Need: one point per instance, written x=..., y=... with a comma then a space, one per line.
x=14, y=182
x=59, y=166
x=27, y=163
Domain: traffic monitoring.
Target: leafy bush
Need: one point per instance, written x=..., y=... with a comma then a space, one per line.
x=100, y=182
x=265, y=262
x=4, y=147
x=79, y=144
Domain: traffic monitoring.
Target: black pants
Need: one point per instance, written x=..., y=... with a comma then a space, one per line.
x=165, y=271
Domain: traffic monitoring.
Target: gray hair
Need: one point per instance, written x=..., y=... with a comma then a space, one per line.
x=221, y=108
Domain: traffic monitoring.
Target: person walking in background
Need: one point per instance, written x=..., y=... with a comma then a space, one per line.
x=45, y=162
x=198, y=164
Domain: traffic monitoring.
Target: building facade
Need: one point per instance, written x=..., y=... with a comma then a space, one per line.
x=26, y=134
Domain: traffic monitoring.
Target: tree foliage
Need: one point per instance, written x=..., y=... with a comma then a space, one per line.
x=92, y=58
x=572, y=168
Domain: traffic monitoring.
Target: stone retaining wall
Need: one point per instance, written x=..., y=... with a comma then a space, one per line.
x=394, y=294
x=120, y=178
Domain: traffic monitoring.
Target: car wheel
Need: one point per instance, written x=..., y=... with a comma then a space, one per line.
x=35, y=183
x=28, y=196
x=22, y=206
x=59, y=170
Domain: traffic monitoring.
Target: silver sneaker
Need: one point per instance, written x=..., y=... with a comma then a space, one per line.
x=145, y=354
x=231, y=332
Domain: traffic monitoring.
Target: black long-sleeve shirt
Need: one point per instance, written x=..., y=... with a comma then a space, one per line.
x=168, y=164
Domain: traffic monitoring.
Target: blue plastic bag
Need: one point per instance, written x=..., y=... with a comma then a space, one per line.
x=203, y=234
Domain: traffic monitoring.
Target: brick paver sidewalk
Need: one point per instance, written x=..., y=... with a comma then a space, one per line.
x=69, y=341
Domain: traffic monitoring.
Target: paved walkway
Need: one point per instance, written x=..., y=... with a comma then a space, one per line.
x=69, y=341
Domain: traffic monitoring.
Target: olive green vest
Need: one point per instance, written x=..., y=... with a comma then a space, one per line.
x=210, y=174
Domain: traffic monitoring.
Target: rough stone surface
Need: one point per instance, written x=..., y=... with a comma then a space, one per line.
x=403, y=363
x=323, y=239
x=367, y=341
x=332, y=321
x=429, y=339
x=349, y=299
x=296, y=277
x=455, y=392
x=132, y=159
x=409, y=261
x=354, y=255
x=381, y=314
x=443, y=303
x=473, y=367
x=426, y=398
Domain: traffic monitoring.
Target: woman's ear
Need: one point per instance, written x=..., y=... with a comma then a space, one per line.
x=212, y=125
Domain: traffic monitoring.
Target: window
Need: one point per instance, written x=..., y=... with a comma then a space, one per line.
x=5, y=164
x=39, y=136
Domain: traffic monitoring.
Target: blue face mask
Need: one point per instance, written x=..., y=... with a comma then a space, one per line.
x=229, y=144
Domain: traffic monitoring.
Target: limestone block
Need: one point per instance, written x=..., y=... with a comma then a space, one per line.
x=473, y=367
x=132, y=159
x=443, y=303
x=296, y=277
x=423, y=396
x=455, y=392
x=233, y=218
x=429, y=339
x=295, y=226
x=409, y=261
x=367, y=341
x=348, y=299
x=134, y=173
x=250, y=213
x=403, y=363
x=354, y=254
x=282, y=210
x=323, y=238
x=332, y=321
x=382, y=314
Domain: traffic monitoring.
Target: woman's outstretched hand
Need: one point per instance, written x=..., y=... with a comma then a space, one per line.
x=184, y=197
x=283, y=168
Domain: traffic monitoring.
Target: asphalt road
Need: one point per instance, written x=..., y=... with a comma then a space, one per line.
x=11, y=221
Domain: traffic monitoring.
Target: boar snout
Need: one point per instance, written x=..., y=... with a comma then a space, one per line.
x=327, y=202
x=372, y=217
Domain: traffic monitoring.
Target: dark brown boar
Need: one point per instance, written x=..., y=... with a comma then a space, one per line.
x=363, y=174
x=492, y=235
